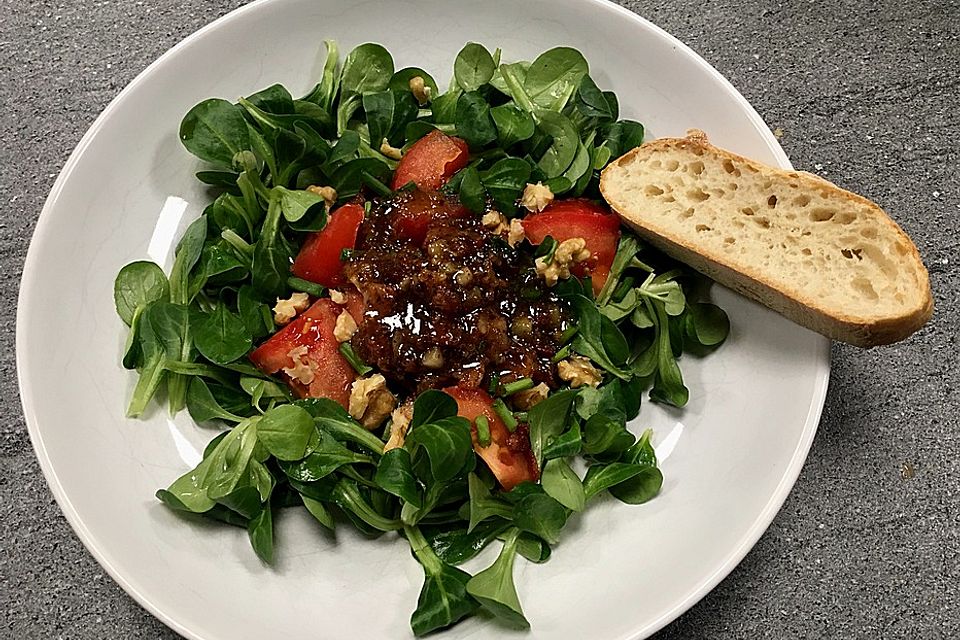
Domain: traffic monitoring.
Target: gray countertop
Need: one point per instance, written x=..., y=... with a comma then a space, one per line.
x=864, y=93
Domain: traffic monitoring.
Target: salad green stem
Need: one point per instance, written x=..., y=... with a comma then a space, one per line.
x=362, y=368
x=352, y=432
x=422, y=549
x=350, y=498
x=244, y=248
x=197, y=369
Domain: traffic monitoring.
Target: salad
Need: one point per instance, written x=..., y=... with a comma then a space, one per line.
x=413, y=313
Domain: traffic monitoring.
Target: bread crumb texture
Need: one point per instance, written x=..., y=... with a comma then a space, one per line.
x=801, y=233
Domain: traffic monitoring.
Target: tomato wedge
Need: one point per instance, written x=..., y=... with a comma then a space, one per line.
x=326, y=373
x=414, y=213
x=319, y=257
x=579, y=218
x=508, y=455
x=431, y=160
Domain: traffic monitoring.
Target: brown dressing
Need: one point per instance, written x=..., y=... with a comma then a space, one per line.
x=454, y=309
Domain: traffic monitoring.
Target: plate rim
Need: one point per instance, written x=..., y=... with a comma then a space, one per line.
x=736, y=554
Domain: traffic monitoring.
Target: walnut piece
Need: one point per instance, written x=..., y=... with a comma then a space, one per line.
x=494, y=221
x=497, y=224
x=568, y=253
x=463, y=277
x=529, y=398
x=329, y=194
x=536, y=197
x=345, y=327
x=400, y=418
x=515, y=234
x=303, y=369
x=390, y=151
x=337, y=297
x=370, y=401
x=579, y=371
x=421, y=90
x=433, y=358
x=287, y=309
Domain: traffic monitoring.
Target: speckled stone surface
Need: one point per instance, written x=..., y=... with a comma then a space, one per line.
x=865, y=93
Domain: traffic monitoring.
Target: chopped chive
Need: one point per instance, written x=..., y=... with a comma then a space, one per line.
x=312, y=288
x=410, y=186
x=517, y=385
x=521, y=416
x=345, y=254
x=375, y=185
x=568, y=333
x=361, y=367
x=483, y=431
x=494, y=383
x=561, y=354
x=367, y=207
x=505, y=415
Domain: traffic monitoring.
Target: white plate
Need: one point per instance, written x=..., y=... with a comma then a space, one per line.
x=729, y=458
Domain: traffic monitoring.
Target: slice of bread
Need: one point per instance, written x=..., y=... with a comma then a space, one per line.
x=826, y=258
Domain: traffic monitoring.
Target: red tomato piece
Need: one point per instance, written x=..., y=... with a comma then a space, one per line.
x=431, y=160
x=319, y=257
x=508, y=454
x=579, y=218
x=416, y=211
x=310, y=337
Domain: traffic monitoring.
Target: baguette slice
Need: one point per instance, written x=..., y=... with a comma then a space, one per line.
x=827, y=259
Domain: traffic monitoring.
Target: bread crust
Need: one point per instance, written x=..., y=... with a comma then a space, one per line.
x=753, y=282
